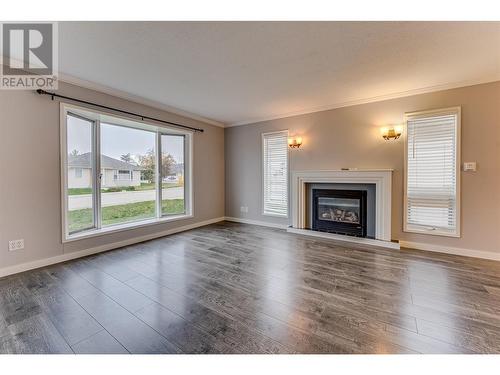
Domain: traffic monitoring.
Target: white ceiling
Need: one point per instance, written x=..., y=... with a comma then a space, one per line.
x=243, y=72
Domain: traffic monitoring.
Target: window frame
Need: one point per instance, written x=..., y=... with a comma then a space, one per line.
x=64, y=171
x=96, y=117
x=263, y=135
x=421, y=229
x=160, y=177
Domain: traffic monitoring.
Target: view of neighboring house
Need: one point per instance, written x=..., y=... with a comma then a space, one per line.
x=114, y=172
x=176, y=174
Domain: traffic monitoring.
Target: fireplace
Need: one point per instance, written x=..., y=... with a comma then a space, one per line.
x=339, y=211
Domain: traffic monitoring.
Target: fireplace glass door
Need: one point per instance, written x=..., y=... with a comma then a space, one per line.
x=339, y=211
x=344, y=210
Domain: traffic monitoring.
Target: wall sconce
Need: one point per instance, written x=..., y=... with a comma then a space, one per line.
x=294, y=142
x=391, y=132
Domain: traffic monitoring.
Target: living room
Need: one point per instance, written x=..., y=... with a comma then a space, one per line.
x=259, y=187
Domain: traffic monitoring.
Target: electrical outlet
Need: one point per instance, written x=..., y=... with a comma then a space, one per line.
x=16, y=245
x=470, y=166
x=244, y=209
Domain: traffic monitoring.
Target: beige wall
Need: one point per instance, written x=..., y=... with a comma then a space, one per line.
x=29, y=152
x=349, y=137
x=345, y=137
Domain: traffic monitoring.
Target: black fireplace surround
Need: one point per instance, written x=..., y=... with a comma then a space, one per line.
x=339, y=211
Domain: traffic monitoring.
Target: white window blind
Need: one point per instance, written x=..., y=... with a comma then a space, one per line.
x=431, y=172
x=275, y=171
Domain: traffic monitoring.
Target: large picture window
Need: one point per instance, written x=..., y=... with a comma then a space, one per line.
x=119, y=173
x=275, y=173
x=432, y=199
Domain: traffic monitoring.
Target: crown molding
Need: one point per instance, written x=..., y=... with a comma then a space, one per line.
x=66, y=78
x=72, y=80
x=164, y=107
x=402, y=94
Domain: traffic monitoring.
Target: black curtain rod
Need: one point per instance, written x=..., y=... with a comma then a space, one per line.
x=53, y=95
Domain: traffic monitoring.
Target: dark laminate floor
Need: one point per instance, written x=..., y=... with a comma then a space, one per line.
x=234, y=288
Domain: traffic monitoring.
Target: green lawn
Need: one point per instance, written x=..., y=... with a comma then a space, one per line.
x=143, y=186
x=79, y=191
x=152, y=186
x=80, y=219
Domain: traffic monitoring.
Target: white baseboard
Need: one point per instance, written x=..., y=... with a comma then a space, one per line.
x=255, y=222
x=98, y=249
x=350, y=239
x=451, y=250
x=78, y=254
x=386, y=244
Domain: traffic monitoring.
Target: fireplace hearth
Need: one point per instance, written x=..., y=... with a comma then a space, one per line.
x=339, y=211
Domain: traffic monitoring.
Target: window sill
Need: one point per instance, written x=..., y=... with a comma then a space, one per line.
x=124, y=227
x=275, y=215
x=431, y=232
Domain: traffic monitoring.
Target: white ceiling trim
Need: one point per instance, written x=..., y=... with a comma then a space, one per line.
x=164, y=107
x=128, y=96
x=135, y=98
x=424, y=90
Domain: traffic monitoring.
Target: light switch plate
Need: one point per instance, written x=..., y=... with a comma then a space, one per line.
x=470, y=166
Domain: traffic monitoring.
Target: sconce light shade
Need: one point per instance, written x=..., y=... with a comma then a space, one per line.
x=294, y=142
x=393, y=132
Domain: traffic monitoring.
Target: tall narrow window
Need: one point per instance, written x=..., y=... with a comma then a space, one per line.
x=275, y=173
x=432, y=203
x=172, y=174
x=80, y=166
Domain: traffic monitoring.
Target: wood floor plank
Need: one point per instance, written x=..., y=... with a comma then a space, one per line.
x=100, y=343
x=69, y=281
x=484, y=343
x=70, y=319
x=16, y=302
x=188, y=337
x=34, y=335
x=120, y=272
x=234, y=334
x=236, y=288
x=493, y=290
x=118, y=291
x=187, y=308
x=135, y=336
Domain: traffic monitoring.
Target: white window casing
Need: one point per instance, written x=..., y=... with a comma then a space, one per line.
x=275, y=173
x=432, y=172
x=95, y=117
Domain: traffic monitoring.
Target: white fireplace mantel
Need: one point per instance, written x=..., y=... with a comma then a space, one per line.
x=382, y=178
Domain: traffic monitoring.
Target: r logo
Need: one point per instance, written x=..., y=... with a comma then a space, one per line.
x=28, y=48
